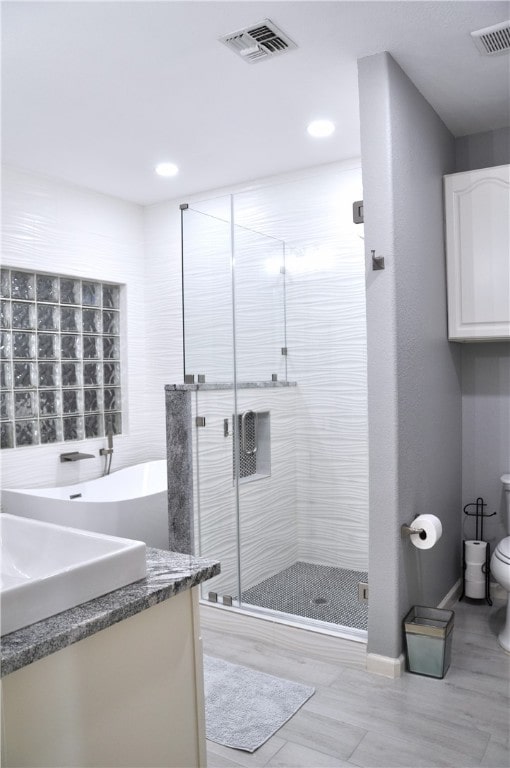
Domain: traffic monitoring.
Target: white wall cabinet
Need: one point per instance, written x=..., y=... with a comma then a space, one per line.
x=477, y=207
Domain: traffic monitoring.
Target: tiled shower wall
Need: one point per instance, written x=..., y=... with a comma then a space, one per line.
x=53, y=227
x=327, y=359
x=268, y=531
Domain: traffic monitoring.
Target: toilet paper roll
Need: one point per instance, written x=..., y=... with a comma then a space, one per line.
x=475, y=551
x=475, y=589
x=432, y=531
x=474, y=572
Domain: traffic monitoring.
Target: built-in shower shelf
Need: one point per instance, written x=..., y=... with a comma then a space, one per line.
x=251, y=478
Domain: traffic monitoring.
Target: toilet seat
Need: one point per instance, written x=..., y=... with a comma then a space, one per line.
x=502, y=551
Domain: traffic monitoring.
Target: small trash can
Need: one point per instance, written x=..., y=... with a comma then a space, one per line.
x=429, y=633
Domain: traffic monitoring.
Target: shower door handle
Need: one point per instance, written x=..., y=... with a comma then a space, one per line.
x=247, y=451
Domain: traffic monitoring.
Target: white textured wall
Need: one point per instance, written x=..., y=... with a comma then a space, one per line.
x=163, y=340
x=326, y=336
x=268, y=524
x=331, y=428
x=55, y=227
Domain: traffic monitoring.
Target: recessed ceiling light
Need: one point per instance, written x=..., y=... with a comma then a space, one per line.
x=320, y=129
x=167, y=169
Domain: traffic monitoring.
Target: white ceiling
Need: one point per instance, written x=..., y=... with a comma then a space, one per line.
x=97, y=93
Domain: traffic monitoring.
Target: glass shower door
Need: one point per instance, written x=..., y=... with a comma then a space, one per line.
x=234, y=347
x=265, y=478
x=303, y=528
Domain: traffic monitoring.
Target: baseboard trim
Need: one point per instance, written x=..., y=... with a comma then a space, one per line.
x=452, y=596
x=386, y=666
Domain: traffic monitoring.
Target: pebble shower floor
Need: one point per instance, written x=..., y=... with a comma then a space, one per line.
x=317, y=592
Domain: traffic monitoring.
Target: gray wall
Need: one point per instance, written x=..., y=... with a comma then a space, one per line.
x=485, y=378
x=485, y=432
x=413, y=372
x=482, y=150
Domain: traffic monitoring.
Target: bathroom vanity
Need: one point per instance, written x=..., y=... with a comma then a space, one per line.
x=116, y=681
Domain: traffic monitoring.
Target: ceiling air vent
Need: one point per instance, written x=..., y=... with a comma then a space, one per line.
x=492, y=40
x=258, y=42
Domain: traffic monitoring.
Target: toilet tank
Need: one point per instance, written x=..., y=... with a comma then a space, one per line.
x=505, y=479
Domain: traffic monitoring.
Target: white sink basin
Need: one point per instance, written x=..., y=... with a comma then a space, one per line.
x=47, y=568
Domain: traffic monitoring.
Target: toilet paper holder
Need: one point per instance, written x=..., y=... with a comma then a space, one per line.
x=479, y=515
x=408, y=530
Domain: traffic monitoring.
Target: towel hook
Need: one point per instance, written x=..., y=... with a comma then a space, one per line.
x=377, y=261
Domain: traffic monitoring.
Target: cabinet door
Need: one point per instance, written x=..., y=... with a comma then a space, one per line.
x=128, y=696
x=478, y=261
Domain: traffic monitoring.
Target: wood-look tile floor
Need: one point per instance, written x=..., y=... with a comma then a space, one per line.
x=359, y=719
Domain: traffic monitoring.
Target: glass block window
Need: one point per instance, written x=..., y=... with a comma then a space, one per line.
x=59, y=359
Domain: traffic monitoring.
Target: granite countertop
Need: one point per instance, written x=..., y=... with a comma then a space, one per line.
x=168, y=573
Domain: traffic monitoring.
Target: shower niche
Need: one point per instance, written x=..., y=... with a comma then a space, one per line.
x=274, y=320
x=252, y=446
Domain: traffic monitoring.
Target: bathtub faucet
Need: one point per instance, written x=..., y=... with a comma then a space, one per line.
x=75, y=456
x=108, y=453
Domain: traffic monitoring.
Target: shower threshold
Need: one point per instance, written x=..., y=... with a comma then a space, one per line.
x=324, y=595
x=312, y=638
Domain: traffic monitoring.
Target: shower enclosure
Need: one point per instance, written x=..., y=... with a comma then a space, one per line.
x=274, y=338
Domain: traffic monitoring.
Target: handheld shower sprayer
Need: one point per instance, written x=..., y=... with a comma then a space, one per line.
x=107, y=453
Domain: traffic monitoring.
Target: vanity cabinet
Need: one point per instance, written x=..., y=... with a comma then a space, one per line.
x=129, y=695
x=477, y=205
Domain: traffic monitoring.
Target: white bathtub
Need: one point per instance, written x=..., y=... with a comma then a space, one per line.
x=131, y=503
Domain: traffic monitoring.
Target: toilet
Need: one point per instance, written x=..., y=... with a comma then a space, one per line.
x=500, y=566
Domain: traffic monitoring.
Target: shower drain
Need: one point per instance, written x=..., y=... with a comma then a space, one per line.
x=319, y=601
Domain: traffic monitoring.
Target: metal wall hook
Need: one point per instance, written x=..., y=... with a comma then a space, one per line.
x=377, y=261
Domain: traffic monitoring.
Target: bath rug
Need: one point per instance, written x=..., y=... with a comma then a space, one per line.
x=243, y=707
